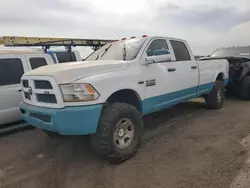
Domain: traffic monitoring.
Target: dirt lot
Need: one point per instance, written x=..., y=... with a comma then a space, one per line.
x=184, y=147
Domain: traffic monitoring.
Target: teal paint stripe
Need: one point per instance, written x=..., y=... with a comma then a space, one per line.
x=204, y=89
x=161, y=102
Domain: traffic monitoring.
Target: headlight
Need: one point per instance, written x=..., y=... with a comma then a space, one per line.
x=79, y=92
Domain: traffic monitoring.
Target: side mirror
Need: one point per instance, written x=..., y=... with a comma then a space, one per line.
x=158, y=59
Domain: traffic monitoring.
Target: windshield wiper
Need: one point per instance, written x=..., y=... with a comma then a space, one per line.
x=106, y=49
x=125, y=53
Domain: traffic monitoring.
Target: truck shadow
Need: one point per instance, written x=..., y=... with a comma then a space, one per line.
x=178, y=116
x=155, y=119
x=172, y=119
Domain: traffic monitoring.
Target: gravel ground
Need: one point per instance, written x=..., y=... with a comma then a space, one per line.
x=186, y=146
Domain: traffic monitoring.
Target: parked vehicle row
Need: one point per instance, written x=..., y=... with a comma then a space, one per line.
x=107, y=96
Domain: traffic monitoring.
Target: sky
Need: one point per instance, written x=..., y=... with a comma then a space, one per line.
x=206, y=25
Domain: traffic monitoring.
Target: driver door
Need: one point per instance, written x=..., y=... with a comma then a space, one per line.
x=158, y=77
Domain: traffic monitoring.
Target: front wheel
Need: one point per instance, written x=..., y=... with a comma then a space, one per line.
x=215, y=99
x=119, y=132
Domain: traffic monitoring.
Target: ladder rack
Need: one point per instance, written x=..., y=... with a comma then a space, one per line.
x=47, y=42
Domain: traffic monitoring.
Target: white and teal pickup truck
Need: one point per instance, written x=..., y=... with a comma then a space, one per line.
x=107, y=95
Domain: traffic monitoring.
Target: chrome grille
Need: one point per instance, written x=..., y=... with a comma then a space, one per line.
x=42, y=84
x=46, y=98
x=42, y=91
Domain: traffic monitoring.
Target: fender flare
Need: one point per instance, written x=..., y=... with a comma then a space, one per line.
x=217, y=74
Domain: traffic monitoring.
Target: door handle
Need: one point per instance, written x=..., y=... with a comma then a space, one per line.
x=193, y=67
x=171, y=69
x=20, y=90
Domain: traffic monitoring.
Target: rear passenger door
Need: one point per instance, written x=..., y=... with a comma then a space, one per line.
x=186, y=70
x=11, y=70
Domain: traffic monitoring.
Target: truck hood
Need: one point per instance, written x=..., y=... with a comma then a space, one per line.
x=69, y=72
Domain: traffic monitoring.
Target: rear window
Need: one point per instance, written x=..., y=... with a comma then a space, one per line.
x=11, y=71
x=36, y=62
x=65, y=56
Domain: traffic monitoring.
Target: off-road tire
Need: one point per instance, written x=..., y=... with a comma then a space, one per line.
x=244, y=88
x=102, y=141
x=213, y=101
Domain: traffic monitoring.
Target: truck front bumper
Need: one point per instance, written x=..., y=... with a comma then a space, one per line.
x=80, y=120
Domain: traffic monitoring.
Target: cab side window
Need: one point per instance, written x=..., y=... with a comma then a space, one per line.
x=36, y=62
x=180, y=50
x=157, y=44
x=65, y=56
x=11, y=71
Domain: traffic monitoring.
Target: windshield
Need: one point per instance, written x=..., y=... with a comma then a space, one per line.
x=120, y=50
x=232, y=52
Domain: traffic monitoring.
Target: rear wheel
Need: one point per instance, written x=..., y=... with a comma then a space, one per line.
x=215, y=99
x=244, y=88
x=119, y=132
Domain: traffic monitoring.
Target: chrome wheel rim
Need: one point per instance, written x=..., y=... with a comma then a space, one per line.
x=123, y=133
x=219, y=96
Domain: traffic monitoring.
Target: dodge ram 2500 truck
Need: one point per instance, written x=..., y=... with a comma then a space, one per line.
x=107, y=95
